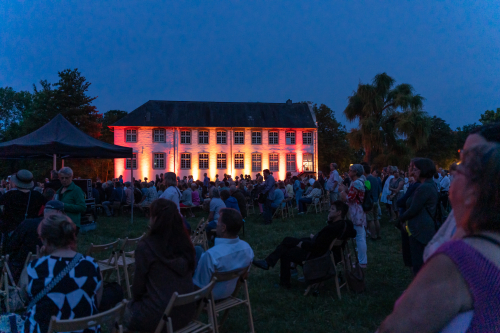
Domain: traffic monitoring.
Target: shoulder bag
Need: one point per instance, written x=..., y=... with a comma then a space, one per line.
x=355, y=276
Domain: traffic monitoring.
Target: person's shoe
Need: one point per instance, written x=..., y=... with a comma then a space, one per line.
x=261, y=264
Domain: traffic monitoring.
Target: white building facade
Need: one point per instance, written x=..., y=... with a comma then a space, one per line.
x=159, y=146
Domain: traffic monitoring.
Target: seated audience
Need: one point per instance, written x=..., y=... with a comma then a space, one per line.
x=458, y=289
x=172, y=193
x=229, y=201
x=165, y=262
x=309, y=198
x=216, y=204
x=295, y=250
x=195, y=194
x=118, y=195
x=129, y=193
x=77, y=294
x=186, y=197
x=239, y=195
x=278, y=198
x=229, y=253
x=161, y=189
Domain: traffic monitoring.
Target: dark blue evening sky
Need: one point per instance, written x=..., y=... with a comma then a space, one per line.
x=265, y=51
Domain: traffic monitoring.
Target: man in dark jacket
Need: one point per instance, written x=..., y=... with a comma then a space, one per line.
x=54, y=183
x=297, y=250
x=240, y=197
x=117, y=195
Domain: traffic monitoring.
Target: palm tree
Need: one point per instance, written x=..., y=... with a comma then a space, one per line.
x=391, y=120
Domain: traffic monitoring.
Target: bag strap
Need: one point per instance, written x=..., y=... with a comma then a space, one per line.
x=486, y=238
x=55, y=281
x=28, y=206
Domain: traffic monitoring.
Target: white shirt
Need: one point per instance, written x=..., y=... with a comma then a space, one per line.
x=445, y=184
x=334, y=177
x=386, y=191
x=172, y=193
x=227, y=255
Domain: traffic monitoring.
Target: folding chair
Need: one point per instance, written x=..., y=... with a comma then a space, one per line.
x=113, y=316
x=201, y=298
x=281, y=210
x=316, y=204
x=199, y=236
x=232, y=301
x=250, y=205
x=109, y=265
x=125, y=259
x=342, y=264
x=289, y=207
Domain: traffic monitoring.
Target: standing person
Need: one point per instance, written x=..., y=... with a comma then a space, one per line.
x=372, y=215
x=20, y=203
x=421, y=209
x=268, y=193
x=172, y=193
x=396, y=186
x=321, y=179
x=445, y=187
x=333, y=183
x=297, y=190
x=77, y=294
x=458, y=289
x=165, y=262
x=54, y=183
x=206, y=183
x=354, y=197
x=386, y=191
x=71, y=196
x=120, y=179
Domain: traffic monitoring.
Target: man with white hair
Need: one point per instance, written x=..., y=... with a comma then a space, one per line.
x=71, y=196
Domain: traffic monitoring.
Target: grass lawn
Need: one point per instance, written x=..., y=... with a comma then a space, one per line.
x=279, y=310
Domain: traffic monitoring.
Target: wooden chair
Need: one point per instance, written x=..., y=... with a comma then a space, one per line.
x=281, y=210
x=339, y=266
x=201, y=298
x=250, y=205
x=289, y=207
x=199, y=236
x=109, y=265
x=316, y=205
x=125, y=259
x=113, y=318
x=232, y=301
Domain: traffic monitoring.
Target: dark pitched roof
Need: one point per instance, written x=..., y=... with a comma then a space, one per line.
x=220, y=114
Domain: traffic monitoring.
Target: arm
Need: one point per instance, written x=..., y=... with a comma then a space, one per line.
x=204, y=270
x=433, y=299
x=417, y=204
x=78, y=206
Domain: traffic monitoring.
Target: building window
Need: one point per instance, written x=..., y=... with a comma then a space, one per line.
x=158, y=160
x=256, y=138
x=239, y=137
x=290, y=138
x=185, y=161
x=307, y=162
x=273, y=162
x=307, y=138
x=131, y=162
x=221, y=137
x=131, y=135
x=203, y=161
x=159, y=135
x=221, y=161
x=290, y=162
x=186, y=137
x=239, y=161
x=203, y=137
x=273, y=138
x=256, y=162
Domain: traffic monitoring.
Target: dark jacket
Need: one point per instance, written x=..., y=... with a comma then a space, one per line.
x=375, y=189
x=15, y=203
x=108, y=192
x=409, y=192
x=74, y=202
x=54, y=184
x=23, y=241
x=320, y=243
x=119, y=195
x=156, y=279
x=242, y=203
x=421, y=209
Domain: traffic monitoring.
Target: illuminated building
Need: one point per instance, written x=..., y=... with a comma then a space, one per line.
x=191, y=138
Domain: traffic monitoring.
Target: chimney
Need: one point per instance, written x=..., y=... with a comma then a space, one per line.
x=289, y=102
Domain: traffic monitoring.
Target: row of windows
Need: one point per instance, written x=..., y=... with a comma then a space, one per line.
x=239, y=137
x=239, y=161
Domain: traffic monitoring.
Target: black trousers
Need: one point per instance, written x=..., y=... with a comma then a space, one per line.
x=287, y=252
x=405, y=242
x=417, y=254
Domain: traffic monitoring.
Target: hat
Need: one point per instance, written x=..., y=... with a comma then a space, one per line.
x=55, y=205
x=23, y=179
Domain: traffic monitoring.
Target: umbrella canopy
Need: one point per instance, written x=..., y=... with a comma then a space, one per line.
x=60, y=137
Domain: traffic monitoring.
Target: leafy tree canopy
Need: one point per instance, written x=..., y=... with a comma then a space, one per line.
x=490, y=116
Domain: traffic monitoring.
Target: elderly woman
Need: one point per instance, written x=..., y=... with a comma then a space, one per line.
x=79, y=290
x=418, y=219
x=354, y=197
x=458, y=289
x=71, y=196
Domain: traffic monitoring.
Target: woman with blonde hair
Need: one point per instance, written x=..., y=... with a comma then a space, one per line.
x=62, y=283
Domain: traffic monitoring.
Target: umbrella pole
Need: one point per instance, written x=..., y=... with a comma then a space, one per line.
x=54, y=162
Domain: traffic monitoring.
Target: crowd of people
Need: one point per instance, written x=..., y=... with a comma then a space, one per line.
x=449, y=221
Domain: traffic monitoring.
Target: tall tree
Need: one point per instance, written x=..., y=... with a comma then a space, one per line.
x=332, y=142
x=13, y=107
x=391, y=120
x=490, y=116
x=441, y=146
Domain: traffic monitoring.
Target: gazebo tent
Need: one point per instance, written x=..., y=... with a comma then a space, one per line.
x=61, y=138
